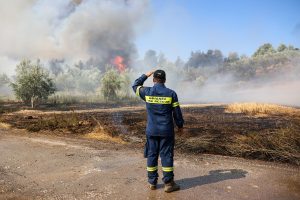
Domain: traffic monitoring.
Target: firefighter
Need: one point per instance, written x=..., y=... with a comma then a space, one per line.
x=162, y=107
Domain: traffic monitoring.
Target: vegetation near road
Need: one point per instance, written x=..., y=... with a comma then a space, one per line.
x=283, y=144
x=32, y=83
x=257, y=131
x=250, y=130
x=259, y=109
x=97, y=82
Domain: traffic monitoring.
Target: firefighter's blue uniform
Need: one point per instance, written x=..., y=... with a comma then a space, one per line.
x=162, y=107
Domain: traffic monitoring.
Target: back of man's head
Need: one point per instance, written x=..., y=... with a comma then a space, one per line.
x=159, y=76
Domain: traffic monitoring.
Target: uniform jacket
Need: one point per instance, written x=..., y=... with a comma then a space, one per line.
x=162, y=107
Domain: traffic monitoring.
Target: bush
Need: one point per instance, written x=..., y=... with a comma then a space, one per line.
x=110, y=84
x=32, y=83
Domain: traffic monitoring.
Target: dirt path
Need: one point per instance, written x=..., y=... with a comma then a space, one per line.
x=62, y=168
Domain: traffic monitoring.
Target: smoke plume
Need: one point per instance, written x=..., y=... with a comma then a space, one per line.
x=68, y=30
x=280, y=87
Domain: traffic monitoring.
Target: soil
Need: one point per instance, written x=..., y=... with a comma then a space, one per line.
x=208, y=128
x=48, y=155
x=37, y=166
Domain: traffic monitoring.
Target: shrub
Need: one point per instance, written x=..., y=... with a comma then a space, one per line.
x=110, y=84
x=32, y=83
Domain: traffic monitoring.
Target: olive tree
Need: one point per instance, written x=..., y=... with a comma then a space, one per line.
x=282, y=47
x=264, y=50
x=110, y=84
x=32, y=82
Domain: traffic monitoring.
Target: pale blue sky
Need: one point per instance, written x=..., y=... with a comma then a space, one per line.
x=179, y=26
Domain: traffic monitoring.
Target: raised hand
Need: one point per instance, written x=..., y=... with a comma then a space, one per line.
x=148, y=74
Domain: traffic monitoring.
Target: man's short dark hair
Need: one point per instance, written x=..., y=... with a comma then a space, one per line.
x=160, y=76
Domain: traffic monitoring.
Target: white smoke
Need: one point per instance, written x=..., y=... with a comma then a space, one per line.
x=71, y=30
x=223, y=91
x=280, y=88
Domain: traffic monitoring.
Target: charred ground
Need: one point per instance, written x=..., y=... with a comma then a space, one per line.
x=208, y=129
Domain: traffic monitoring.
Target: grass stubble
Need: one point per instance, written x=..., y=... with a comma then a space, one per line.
x=250, y=130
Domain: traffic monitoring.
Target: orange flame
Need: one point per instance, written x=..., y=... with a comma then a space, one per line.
x=118, y=61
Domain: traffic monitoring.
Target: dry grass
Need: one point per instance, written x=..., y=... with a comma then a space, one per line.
x=259, y=109
x=260, y=131
x=70, y=121
x=4, y=125
x=27, y=112
x=282, y=145
x=100, y=134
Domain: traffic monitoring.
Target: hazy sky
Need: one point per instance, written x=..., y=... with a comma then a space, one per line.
x=179, y=26
x=54, y=29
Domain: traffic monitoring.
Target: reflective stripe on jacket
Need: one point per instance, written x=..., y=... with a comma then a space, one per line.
x=162, y=107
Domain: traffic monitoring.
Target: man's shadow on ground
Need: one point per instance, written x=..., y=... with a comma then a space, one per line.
x=214, y=176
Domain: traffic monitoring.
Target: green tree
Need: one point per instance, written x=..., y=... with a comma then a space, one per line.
x=110, y=84
x=32, y=82
x=233, y=57
x=281, y=47
x=264, y=50
x=126, y=84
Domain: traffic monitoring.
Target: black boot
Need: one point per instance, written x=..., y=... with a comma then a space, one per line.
x=152, y=187
x=171, y=187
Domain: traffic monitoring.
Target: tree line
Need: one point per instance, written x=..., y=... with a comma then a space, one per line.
x=34, y=82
